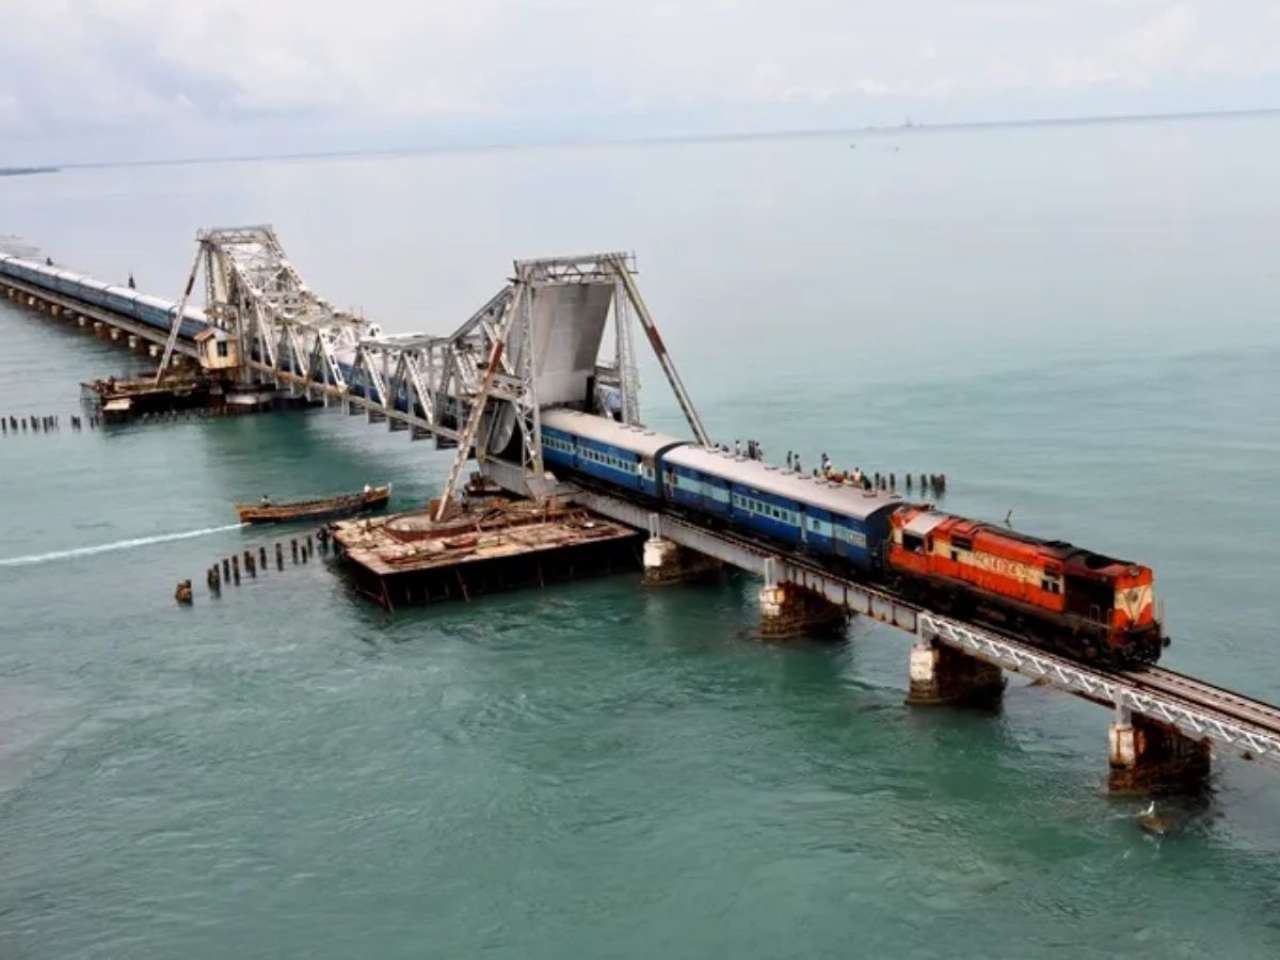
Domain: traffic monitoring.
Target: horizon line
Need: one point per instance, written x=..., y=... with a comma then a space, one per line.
x=722, y=137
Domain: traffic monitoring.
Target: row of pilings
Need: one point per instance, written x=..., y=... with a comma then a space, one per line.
x=930, y=484
x=50, y=423
x=90, y=324
x=249, y=563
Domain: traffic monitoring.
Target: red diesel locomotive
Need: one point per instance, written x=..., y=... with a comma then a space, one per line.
x=1070, y=600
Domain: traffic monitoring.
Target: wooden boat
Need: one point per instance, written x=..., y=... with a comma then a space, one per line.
x=339, y=506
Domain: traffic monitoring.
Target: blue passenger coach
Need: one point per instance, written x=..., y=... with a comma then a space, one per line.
x=153, y=311
x=616, y=453
x=818, y=516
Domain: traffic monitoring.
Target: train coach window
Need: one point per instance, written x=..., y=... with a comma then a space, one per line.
x=961, y=543
x=912, y=542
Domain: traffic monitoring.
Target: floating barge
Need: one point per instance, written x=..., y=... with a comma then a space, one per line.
x=123, y=399
x=488, y=546
x=342, y=505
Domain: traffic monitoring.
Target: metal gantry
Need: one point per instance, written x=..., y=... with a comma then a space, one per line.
x=537, y=328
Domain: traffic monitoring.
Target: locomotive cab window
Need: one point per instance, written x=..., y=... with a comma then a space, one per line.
x=912, y=542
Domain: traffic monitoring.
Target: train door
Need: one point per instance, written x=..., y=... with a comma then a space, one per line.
x=648, y=483
x=1089, y=598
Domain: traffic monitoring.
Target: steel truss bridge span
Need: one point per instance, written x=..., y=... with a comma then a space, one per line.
x=534, y=343
x=1199, y=710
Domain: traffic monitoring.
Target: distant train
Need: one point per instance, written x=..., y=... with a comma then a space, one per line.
x=153, y=311
x=1064, y=598
x=158, y=313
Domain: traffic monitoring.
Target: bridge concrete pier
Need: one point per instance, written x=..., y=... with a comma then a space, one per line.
x=788, y=611
x=1147, y=756
x=942, y=675
x=666, y=562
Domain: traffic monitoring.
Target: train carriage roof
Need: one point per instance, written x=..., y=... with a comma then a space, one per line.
x=841, y=498
x=639, y=440
x=1079, y=560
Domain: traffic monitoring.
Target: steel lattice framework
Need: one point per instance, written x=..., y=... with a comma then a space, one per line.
x=1199, y=710
x=426, y=384
x=1125, y=691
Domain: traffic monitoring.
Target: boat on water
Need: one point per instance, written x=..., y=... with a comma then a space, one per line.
x=339, y=506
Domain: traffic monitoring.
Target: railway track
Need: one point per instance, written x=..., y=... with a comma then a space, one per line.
x=1155, y=679
x=1206, y=695
x=1199, y=709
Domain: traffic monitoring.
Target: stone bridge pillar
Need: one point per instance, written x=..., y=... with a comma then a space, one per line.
x=666, y=562
x=788, y=610
x=943, y=675
x=1148, y=756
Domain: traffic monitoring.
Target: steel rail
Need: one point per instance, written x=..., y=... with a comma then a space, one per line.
x=1195, y=708
x=1238, y=705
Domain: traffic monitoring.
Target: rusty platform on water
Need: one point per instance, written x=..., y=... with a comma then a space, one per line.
x=123, y=399
x=488, y=545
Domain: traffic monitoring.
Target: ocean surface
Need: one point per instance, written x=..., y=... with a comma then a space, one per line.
x=1078, y=324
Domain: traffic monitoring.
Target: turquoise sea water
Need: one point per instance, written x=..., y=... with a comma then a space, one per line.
x=1078, y=324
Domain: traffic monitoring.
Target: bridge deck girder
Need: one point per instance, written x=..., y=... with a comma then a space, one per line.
x=1196, y=720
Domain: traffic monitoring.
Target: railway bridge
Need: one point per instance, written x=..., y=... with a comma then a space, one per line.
x=537, y=343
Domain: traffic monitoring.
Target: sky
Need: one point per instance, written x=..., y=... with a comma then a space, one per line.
x=119, y=80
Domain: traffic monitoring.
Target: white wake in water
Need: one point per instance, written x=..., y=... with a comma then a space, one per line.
x=118, y=545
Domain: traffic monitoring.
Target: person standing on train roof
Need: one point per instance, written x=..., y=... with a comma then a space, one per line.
x=132, y=285
x=737, y=448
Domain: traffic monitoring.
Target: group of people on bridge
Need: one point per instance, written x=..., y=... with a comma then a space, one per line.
x=935, y=483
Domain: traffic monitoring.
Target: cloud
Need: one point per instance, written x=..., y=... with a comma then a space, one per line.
x=1155, y=47
x=87, y=75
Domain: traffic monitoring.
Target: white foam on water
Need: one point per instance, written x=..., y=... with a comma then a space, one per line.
x=118, y=545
